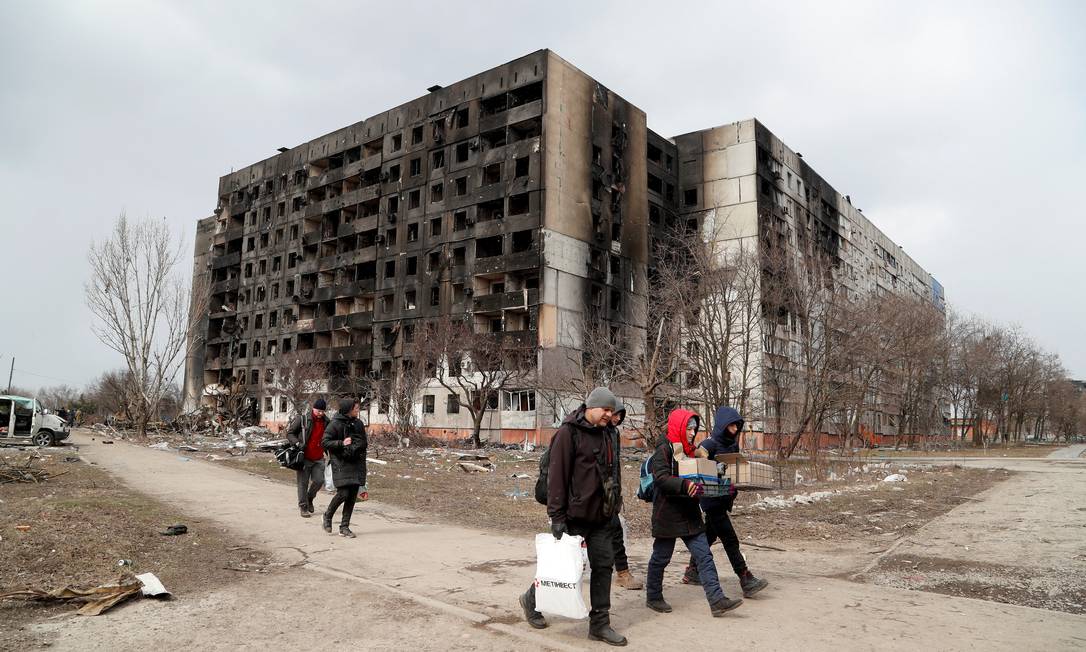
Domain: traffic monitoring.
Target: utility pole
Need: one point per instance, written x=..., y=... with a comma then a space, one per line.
x=11, y=373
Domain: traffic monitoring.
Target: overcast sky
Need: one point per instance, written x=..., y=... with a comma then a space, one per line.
x=958, y=127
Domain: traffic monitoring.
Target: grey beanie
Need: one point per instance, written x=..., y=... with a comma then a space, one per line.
x=601, y=397
x=619, y=405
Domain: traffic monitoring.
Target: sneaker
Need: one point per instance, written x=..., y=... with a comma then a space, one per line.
x=534, y=618
x=627, y=581
x=720, y=607
x=305, y=512
x=691, y=576
x=751, y=584
x=345, y=531
x=659, y=606
x=327, y=524
x=607, y=635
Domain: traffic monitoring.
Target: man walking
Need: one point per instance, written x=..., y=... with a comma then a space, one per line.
x=305, y=431
x=346, y=443
x=623, y=577
x=583, y=495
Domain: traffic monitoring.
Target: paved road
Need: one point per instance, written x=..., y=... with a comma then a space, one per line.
x=423, y=585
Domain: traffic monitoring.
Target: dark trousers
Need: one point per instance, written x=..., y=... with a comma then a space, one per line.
x=599, y=539
x=346, y=496
x=310, y=480
x=718, y=525
x=662, y=549
x=618, y=543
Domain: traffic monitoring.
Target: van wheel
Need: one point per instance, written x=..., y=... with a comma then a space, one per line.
x=44, y=438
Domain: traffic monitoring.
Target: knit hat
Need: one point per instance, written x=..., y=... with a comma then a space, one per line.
x=601, y=397
x=319, y=404
x=346, y=405
x=619, y=405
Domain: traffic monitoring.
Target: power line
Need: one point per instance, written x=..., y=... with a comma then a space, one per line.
x=31, y=373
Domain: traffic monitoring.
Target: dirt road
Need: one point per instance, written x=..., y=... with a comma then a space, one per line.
x=405, y=582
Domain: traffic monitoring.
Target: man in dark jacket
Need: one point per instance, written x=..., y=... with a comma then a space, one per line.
x=582, y=499
x=727, y=424
x=676, y=515
x=305, y=431
x=345, y=440
x=623, y=577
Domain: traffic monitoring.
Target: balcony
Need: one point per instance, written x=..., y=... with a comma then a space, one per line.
x=229, y=260
x=229, y=285
x=360, y=319
x=504, y=300
x=509, y=263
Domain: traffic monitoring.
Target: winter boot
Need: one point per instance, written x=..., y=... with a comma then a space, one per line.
x=720, y=607
x=345, y=531
x=751, y=584
x=309, y=507
x=691, y=576
x=628, y=581
x=305, y=512
x=658, y=605
x=534, y=618
x=607, y=635
x=327, y=523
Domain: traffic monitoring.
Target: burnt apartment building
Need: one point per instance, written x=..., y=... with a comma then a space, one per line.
x=526, y=196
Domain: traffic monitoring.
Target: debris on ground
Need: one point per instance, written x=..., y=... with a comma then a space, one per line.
x=468, y=467
x=28, y=472
x=95, y=599
x=174, y=530
x=896, y=477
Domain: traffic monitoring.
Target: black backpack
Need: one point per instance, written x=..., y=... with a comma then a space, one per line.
x=544, y=471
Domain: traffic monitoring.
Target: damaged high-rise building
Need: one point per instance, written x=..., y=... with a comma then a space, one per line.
x=526, y=196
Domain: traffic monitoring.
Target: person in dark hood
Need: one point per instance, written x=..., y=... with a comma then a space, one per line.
x=345, y=442
x=623, y=577
x=676, y=515
x=582, y=479
x=727, y=424
x=305, y=431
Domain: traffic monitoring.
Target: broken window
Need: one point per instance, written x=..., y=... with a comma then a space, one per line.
x=432, y=262
x=435, y=227
x=654, y=213
x=437, y=192
x=490, y=210
x=263, y=240
x=260, y=293
x=397, y=142
x=248, y=270
x=459, y=256
x=390, y=238
x=461, y=118
x=519, y=400
x=412, y=232
x=492, y=139
x=412, y=265
x=525, y=130
x=435, y=295
x=616, y=231
x=492, y=174
x=274, y=293
x=522, y=240
x=496, y=325
x=690, y=197
x=462, y=152
x=286, y=345
x=256, y=348
x=294, y=232
x=254, y=377
x=438, y=159
x=416, y=167
x=416, y=135
x=460, y=220
x=277, y=263
x=519, y=204
x=409, y=300
x=654, y=153
x=656, y=184
x=488, y=247
x=616, y=299
x=452, y=404
x=386, y=307
x=393, y=173
x=414, y=199
x=461, y=186
x=393, y=205
x=522, y=165
x=428, y=404
x=241, y=350
x=250, y=244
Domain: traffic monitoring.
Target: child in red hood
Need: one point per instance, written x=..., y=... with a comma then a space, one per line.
x=677, y=515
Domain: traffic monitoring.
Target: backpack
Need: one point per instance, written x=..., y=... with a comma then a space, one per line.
x=646, y=490
x=544, y=472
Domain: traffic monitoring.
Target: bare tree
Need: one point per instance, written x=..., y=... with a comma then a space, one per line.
x=141, y=304
x=475, y=367
x=302, y=381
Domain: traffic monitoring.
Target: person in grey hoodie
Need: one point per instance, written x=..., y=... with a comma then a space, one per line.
x=727, y=424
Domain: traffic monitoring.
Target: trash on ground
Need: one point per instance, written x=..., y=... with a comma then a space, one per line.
x=160, y=446
x=96, y=599
x=152, y=586
x=468, y=467
x=381, y=462
x=174, y=530
x=22, y=528
x=897, y=477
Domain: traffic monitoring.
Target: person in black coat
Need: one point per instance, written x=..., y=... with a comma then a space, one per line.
x=676, y=515
x=345, y=442
x=727, y=424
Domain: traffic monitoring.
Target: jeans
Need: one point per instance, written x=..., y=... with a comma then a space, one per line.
x=310, y=481
x=618, y=542
x=346, y=496
x=599, y=538
x=662, y=549
x=718, y=525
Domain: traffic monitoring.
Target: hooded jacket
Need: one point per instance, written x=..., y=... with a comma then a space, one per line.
x=722, y=441
x=674, y=513
x=348, y=461
x=301, y=428
x=574, y=485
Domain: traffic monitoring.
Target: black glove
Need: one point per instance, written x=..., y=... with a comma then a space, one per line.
x=558, y=528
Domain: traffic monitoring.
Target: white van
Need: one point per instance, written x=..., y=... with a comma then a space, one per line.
x=24, y=421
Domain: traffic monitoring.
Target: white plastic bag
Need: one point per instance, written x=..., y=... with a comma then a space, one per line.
x=328, y=486
x=559, y=567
